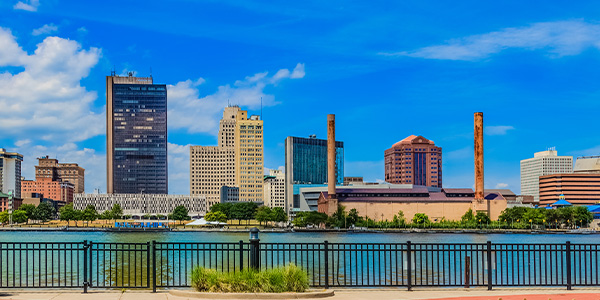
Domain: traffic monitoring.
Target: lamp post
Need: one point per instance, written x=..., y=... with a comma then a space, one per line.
x=10, y=206
x=254, y=248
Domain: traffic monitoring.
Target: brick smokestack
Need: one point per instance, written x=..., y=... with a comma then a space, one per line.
x=331, y=156
x=478, y=156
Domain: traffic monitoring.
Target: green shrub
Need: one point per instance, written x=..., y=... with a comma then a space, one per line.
x=283, y=279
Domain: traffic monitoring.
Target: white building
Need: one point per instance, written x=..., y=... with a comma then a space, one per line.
x=542, y=163
x=274, y=189
x=10, y=172
x=142, y=204
x=587, y=164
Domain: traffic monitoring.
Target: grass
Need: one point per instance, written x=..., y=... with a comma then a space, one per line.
x=283, y=279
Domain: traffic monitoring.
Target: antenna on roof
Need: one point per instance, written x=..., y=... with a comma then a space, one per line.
x=112, y=72
x=150, y=71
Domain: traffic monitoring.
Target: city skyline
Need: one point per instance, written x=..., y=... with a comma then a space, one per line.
x=510, y=68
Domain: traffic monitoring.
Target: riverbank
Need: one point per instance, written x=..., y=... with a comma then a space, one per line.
x=288, y=230
x=347, y=294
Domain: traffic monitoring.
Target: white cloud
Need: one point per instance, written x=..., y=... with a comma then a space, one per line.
x=82, y=30
x=497, y=130
x=31, y=5
x=501, y=185
x=46, y=100
x=21, y=143
x=188, y=110
x=179, y=169
x=561, y=38
x=46, y=29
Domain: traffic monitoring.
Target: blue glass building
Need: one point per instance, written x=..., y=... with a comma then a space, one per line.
x=306, y=164
x=136, y=135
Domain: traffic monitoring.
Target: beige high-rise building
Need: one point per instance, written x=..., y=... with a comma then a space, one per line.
x=69, y=172
x=543, y=163
x=237, y=160
x=274, y=189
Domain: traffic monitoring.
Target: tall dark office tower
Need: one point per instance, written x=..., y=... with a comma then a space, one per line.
x=136, y=135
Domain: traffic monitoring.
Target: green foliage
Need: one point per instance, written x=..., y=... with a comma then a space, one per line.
x=283, y=279
x=353, y=217
x=582, y=216
x=278, y=215
x=116, y=211
x=89, y=213
x=4, y=217
x=43, y=212
x=67, y=213
x=215, y=216
x=222, y=207
x=338, y=219
x=305, y=218
x=482, y=218
x=468, y=216
x=28, y=208
x=105, y=215
x=180, y=213
x=19, y=216
x=263, y=214
x=420, y=218
x=398, y=220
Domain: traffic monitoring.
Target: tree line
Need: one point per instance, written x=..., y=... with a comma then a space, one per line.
x=516, y=218
x=245, y=211
x=68, y=213
x=43, y=212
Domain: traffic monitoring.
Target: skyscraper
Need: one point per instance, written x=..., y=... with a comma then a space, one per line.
x=10, y=172
x=306, y=165
x=236, y=161
x=414, y=160
x=542, y=163
x=136, y=135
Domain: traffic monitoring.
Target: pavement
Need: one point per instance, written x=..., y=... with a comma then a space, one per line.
x=350, y=294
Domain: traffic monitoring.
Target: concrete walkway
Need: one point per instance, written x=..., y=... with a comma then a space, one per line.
x=350, y=294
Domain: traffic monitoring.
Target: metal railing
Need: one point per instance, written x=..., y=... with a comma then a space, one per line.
x=155, y=265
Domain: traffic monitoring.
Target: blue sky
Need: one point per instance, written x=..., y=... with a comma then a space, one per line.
x=387, y=69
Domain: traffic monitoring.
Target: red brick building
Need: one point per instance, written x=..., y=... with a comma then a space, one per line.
x=55, y=190
x=414, y=160
x=66, y=172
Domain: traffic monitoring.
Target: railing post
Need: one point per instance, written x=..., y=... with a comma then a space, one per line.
x=409, y=266
x=467, y=271
x=568, y=265
x=241, y=255
x=85, y=266
x=326, y=249
x=254, y=249
x=148, y=265
x=153, y=266
x=489, y=265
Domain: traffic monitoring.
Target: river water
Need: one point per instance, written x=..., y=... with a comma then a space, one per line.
x=292, y=237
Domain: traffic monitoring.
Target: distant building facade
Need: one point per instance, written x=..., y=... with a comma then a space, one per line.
x=414, y=160
x=230, y=194
x=56, y=190
x=236, y=161
x=577, y=188
x=587, y=164
x=136, y=135
x=66, y=172
x=274, y=187
x=543, y=163
x=306, y=165
x=10, y=172
x=142, y=204
x=353, y=180
x=5, y=203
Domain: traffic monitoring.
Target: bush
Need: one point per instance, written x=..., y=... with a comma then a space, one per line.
x=283, y=279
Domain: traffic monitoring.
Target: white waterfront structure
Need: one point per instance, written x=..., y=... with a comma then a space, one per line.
x=274, y=189
x=543, y=163
x=142, y=204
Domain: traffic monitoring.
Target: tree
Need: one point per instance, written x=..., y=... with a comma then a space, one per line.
x=180, y=213
x=468, y=216
x=552, y=216
x=353, y=217
x=67, y=213
x=116, y=211
x=105, y=215
x=581, y=215
x=482, y=218
x=89, y=213
x=4, y=217
x=223, y=207
x=43, y=212
x=420, y=218
x=305, y=218
x=19, y=216
x=216, y=216
x=535, y=216
x=263, y=214
x=279, y=215
x=28, y=208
